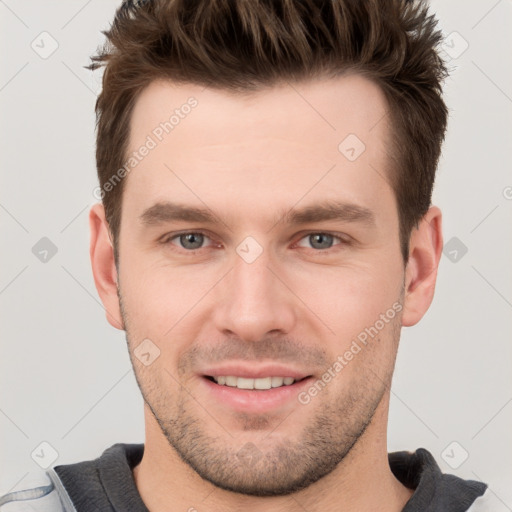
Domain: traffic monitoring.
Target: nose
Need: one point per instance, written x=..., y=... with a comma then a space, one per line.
x=255, y=300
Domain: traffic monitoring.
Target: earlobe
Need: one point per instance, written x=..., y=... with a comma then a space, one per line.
x=103, y=265
x=425, y=248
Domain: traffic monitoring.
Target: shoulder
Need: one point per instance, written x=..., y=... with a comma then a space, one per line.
x=45, y=494
x=435, y=490
x=103, y=483
x=57, y=489
x=484, y=503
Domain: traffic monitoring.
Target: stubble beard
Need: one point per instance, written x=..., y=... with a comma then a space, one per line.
x=272, y=464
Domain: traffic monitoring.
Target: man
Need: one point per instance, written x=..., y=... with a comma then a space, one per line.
x=265, y=231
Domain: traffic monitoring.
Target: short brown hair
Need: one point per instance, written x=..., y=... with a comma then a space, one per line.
x=245, y=45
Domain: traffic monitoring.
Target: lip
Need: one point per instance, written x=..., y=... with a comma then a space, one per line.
x=254, y=372
x=254, y=401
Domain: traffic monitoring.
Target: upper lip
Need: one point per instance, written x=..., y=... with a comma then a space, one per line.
x=252, y=371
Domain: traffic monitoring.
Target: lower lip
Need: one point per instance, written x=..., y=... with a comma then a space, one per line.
x=256, y=401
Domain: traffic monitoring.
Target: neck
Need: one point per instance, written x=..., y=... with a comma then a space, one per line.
x=362, y=482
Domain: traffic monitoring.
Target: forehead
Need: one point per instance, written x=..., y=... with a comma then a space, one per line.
x=325, y=137
x=349, y=102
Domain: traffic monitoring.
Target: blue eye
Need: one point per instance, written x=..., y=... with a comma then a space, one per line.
x=322, y=241
x=189, y=241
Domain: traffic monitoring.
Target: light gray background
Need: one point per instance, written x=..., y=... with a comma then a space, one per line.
x=65, y=373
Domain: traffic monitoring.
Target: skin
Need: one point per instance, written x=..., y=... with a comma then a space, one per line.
x=249, y=158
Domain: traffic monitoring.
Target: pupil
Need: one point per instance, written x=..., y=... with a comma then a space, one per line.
x=321, y=237
x=190, y=238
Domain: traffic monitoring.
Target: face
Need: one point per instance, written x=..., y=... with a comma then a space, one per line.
x=292, y=270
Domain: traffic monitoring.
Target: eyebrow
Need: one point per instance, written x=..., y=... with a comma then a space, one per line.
x=165, y=212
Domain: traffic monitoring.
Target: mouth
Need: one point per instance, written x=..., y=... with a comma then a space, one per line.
x=254, y=395
x=258, y=384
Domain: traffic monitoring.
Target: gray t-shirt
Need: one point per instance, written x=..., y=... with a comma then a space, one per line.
x=106, y=484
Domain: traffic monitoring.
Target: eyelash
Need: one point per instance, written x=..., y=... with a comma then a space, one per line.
x=168, y=238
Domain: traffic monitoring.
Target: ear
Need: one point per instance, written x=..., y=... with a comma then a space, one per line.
x=425, y=248
x=103, y=265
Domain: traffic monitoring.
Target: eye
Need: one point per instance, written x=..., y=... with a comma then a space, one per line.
x=190, y=240
x=322, y=241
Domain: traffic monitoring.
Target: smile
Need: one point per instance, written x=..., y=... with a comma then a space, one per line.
x=255, y=395
x=259, y=383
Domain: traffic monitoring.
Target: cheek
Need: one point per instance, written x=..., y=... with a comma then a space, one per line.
x=338, y=300
x=349, y=299
x=157, y=296
x=363, y=310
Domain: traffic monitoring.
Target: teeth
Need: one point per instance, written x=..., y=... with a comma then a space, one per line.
x=264, y=383
x=230, y=381
x=261, y=383
x=277, y=381
x=242, y=383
